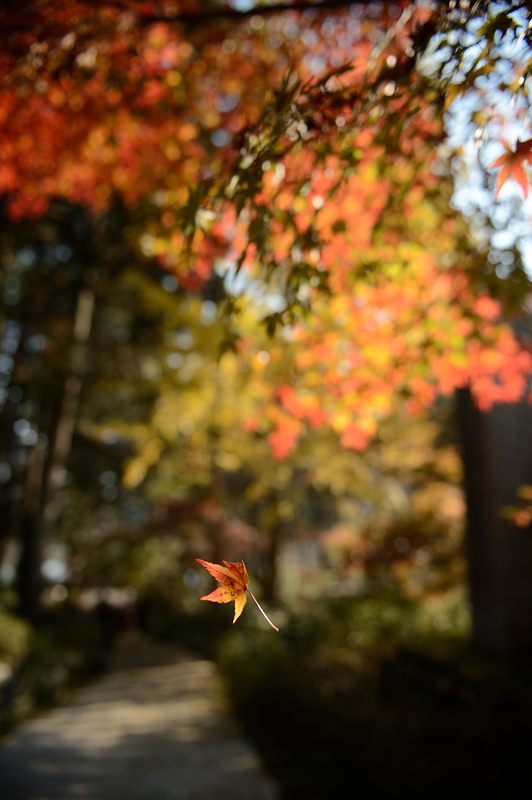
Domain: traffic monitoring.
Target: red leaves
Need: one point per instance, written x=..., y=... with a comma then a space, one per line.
x=511, y=164
x=234, y=579
x=354, y=437
x=284, y=438
x=487, y=308
x=387, y=347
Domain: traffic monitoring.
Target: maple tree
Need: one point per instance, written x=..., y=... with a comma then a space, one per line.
x=250, y=159
x=396, y=338
x=193, y=446
x=234, y=580
x=250, y=155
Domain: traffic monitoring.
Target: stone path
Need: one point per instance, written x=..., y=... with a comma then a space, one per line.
x=154, y=728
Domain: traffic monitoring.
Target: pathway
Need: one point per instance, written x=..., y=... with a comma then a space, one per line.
x=154, y=728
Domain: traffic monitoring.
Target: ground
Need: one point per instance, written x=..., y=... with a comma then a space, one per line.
x=156, y=727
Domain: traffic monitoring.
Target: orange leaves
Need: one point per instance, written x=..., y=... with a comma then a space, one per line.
x=305, y=407
x=110, y=105
x=139, y=83
x=233, y=577
x=143, y=112
x=511, y=164
x=354, y=437
x=389, y=345
x=285, y=435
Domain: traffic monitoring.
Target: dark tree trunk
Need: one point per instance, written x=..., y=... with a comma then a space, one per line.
x=29, y=568
x=270, y=577
x=7, y=445
x=29, y=565
x=497, y=456
x=47, y=471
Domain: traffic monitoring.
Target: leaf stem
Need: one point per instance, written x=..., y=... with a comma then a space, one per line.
x=264, y=614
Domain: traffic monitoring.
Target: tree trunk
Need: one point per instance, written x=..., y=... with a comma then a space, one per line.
x=47, y=472
x=67, y=418
x=273, y=525
x=29, y=565
x=497, y=456
x=7, y=443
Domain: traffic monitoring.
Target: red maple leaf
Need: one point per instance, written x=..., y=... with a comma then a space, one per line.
x=233, y=578
x=511, y=164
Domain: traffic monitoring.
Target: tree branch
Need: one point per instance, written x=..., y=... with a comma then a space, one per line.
x=227, y=12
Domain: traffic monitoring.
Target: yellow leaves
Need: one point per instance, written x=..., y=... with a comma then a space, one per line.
x=137, y=467
x=378, y=355
x=381, y=404
x=171, y=150
x=340, y=419
x=260, y=361
x=229, y=462
x=186, y=132
x=173, y=78
x=210, y=118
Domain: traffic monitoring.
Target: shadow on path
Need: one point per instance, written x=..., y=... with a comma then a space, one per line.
x=154, y=728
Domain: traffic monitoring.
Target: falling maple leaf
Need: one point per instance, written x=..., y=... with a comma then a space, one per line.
x=234, y=586
x=511, y=164
x=234, y=580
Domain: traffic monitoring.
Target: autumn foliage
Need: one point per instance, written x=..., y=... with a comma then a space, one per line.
x=233, y=577
x=247, y=146
x=511, y=164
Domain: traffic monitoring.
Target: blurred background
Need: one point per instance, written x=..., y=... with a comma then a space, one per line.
x=359, y=557
x=398, y=566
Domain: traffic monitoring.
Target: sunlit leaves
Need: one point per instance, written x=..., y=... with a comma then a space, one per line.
x=254, y=154
x=186, y=118
x=233, y=577
x=391, y=339
x=511, y=164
